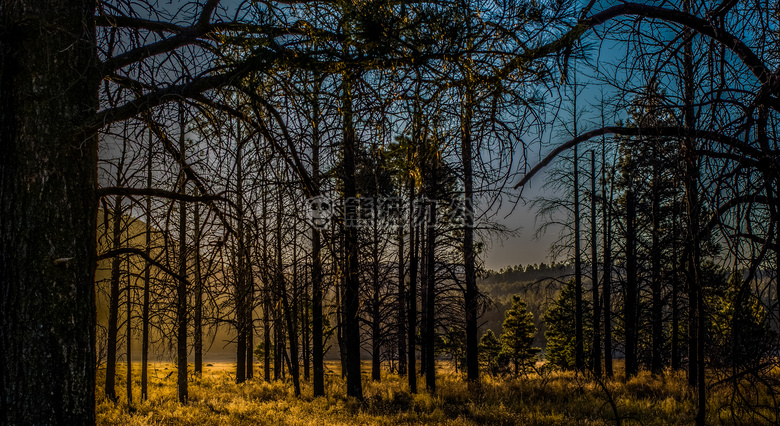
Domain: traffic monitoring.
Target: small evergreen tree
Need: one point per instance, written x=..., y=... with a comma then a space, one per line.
x=489, y=350
x=518, y=336
x=560, y=329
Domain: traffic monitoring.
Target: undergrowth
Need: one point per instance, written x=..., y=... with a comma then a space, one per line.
x=553, y=398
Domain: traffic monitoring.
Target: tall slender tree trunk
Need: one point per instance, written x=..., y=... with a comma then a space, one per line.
x=630, y=303
x=240, y=278
x=266, y=291
x=318, y=351
x=280, y=287
x=412, y=294
x=147, y=280
x=607, y=248
x=198, y=311
x=691, y=180
x=181, y=288
x=471, y=293
x=289, y=314
x=305, y=329
x=113, y=298
x=376, y=320
x=129, y=337
x=423, y=271
x=352, y=285
x=596, y=346
x=656, y=363
x=401, y=320
x=676, y=362
x=249, y=303
x=579, y=339
x=430, y=302
x=48, y=89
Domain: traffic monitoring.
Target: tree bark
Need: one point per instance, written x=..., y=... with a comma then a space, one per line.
x=181, y=288
x=198, y=311
x=630, y=303
x=352, y=285
x=596, y=346
x=579, y=351
x=657, y=308
x=412, y=294
x=113, y=299
x=607, y=248
x=470, y=296
x=401, y=320
x=240, y=278
x=147, y=279
x=318, y=351
x=48, y=212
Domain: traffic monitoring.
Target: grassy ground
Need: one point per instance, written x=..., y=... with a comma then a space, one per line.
x=557, y=398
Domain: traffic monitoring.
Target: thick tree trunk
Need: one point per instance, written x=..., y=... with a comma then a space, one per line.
x=48, y=211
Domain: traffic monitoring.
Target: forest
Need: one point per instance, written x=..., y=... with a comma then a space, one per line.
x=283, y=211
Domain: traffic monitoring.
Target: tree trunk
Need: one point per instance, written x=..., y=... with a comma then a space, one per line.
x=113, y=299
x=412, y=295
x=129, y=338
x=240, y=278
x=470, y=296
x=352, y=285
x=630, y=303
x=376, y=320
x=48, y=88
x=596, y=346
x=198, y=311
x=181, y=288
x=266, y=291
x=289, y=314
x=318, y=351
x=147, y=280
x=656, y=364
x=579, y=351
x=401, y=320
x=607, y=285
x=430, y=300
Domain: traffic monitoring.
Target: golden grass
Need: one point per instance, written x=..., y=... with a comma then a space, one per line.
x=557, y=398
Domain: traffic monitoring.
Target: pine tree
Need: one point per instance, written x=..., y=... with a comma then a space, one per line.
x=560, y=329
x=489, y=350
x=518, y=336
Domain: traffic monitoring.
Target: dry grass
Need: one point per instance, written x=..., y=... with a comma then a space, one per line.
x=557, y=398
